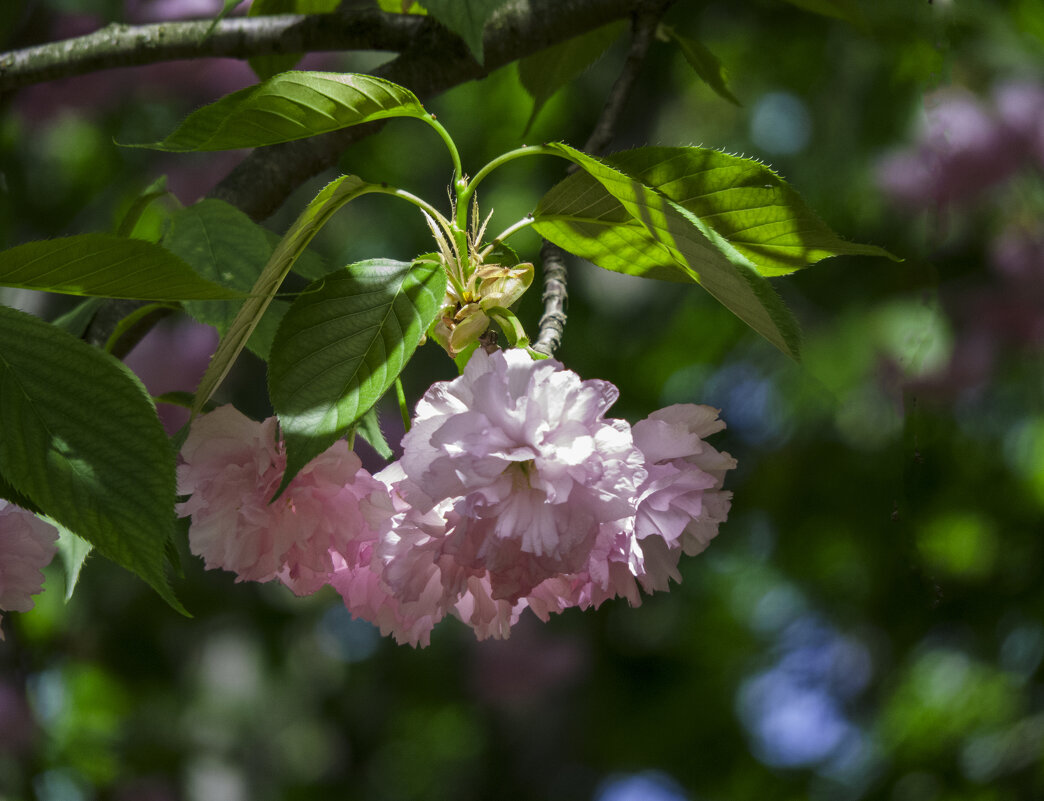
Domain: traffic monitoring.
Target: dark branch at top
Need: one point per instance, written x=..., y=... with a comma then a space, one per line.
x=136, y=45
x=435, y=62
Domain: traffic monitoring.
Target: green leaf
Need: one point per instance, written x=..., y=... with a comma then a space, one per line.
x=105, y=266
x=544, y=73
x=330, y=199
x=223, y=245
x=79, y=317
x=143, y=220
x=11, y=495
x=369, y=428
x=401, y=6
x=341, y=346
x=80, y=437
x=309, y=264
x=73, y=551
x=743, y=200
x=466, y=18
x=704, y=63
x=622, y=225
x=146, y=316
x=289, y=106
x=267, y=66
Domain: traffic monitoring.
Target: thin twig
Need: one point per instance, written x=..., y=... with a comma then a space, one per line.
x=556, y=293
x=135, y=45
x=553, y=320
x=646, y=18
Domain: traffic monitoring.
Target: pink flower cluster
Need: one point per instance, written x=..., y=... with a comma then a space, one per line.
x=27, y=545
x=513, y=491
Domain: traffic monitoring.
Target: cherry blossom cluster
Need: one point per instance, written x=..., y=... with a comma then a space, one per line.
x=27, y=545
x=513, y=491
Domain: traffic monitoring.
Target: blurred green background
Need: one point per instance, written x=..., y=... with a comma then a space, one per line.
x=868, y=624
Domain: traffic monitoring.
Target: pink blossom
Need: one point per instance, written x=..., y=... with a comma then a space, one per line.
x=231, y=469
x=514, y=491
x=533, y=469
x=678, y=509
x=964, y=148
x=406, y=582
x=27, y=545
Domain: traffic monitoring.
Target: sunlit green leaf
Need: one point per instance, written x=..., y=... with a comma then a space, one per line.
x=744, y=201
x=341, y=346
x=544, y=73
x=73, y=551
x=466, y=18
x=107, y=266
x=330, y=199
x=401, y=6
x=620, y=224
x=289, y=106
x=704, y=63
x=145, y=216
x=103, y=469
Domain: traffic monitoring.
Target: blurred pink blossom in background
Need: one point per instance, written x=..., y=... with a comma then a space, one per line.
x=172, y=357
x=966, y=145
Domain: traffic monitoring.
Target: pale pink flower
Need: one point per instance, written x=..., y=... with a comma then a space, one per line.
x=678, y=509
x=689, y=499
x=531, y=466
x=406, y=583
x=515, y=491
x=27, y=545
x=231, y=468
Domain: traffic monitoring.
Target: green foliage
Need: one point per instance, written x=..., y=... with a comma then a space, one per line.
x=137, y=222
x=543, y=74
x=342, y=344
x=622, y=224
x=289, y=106
x=73, y=551
x=401, y=6
x=224, y=245
x=103, y=265
x=104, y=470
x=330, y=199
x=704, y=63
x=79, y=317
x=466, y=18
x=369, y=428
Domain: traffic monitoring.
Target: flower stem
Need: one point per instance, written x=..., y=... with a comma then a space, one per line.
x=525, y=222
x=526, y=150
x=404, y=410
x=458, y=170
